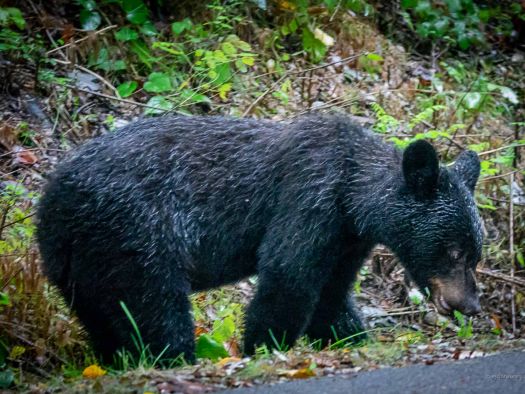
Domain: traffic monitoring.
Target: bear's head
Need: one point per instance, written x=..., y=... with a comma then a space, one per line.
x=439, y=235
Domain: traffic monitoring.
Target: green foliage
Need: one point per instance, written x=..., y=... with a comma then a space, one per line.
x=457, y=22
x=211, y=346
x=181, y=67
x=89, y=18
x=126, y=89
x=13, y=41
x=385, y=123
x=12, y=16
x=300, y=22
x=460, y=23
x=15, y=207
x=465, y=326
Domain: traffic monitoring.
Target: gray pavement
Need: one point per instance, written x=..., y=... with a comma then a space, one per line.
x=503, y=373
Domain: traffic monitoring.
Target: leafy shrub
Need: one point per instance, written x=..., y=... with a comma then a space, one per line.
x=461, y=23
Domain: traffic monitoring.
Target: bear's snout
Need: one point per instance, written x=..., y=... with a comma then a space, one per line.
x=455, y=293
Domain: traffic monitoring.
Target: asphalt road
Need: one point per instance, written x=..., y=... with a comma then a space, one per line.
x=502, y=373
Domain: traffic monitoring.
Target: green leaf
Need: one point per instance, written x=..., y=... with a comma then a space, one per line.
x=209, y=348
x=472, y=100
x=194, y=97
x=220, y=74
x=160, y=104
x=315, y=48
x=88, y=4
x=142, y=51
x=408, y=3
x=228, y=48
x=520, y=258
x=223, y=330
x=463, y=41
x=89, y=20
x=136, y=11
x=126, y=89
x=178, y=27
x=4, y=298
x=224, y=90
x=7, y=378
x=16, y=17
x=158, y=83
x=249, y=61
x=375, y=57
x=126, y=34
x=148, y=29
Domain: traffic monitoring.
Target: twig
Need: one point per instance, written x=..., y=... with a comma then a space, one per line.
x=266, y=92
x=506, y=278
x=5, y=225
x=13, y=152
x=511, y=251
x=101, y=31
x=106, y=96
x=90, y=72
x=412, y=312
x=490, y=178
x=488, y=152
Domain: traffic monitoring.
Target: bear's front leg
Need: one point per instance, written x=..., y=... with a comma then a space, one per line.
x=335, y=318
x=279, y=313
x=333, y=323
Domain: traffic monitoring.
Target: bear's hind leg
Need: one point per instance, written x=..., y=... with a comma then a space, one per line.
x=156, y=296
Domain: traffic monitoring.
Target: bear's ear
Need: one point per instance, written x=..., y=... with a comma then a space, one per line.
x=467, y=166
x=421, y=167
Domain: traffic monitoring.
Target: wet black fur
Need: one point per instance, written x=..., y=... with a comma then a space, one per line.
x=172, y=205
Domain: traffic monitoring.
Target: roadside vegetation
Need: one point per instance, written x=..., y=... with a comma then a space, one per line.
x=449, y=71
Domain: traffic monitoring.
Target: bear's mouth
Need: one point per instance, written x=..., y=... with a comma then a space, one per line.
x=442, y=305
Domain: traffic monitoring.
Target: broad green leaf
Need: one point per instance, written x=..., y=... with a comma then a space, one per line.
x=315, y=48
x=160, y=104
x=126, y=34
x=89, y=20
x=179, y=27
x=158, y=83
x=223, y=330
x=221, y=74
x=148, y=29
x=126, y=89
x=209, y=348
x=194, y=97
x=228, y=48
x=136, y=11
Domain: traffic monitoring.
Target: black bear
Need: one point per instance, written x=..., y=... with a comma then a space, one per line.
x=168, y=206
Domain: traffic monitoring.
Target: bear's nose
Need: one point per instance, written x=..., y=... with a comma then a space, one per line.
x=471, y=307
